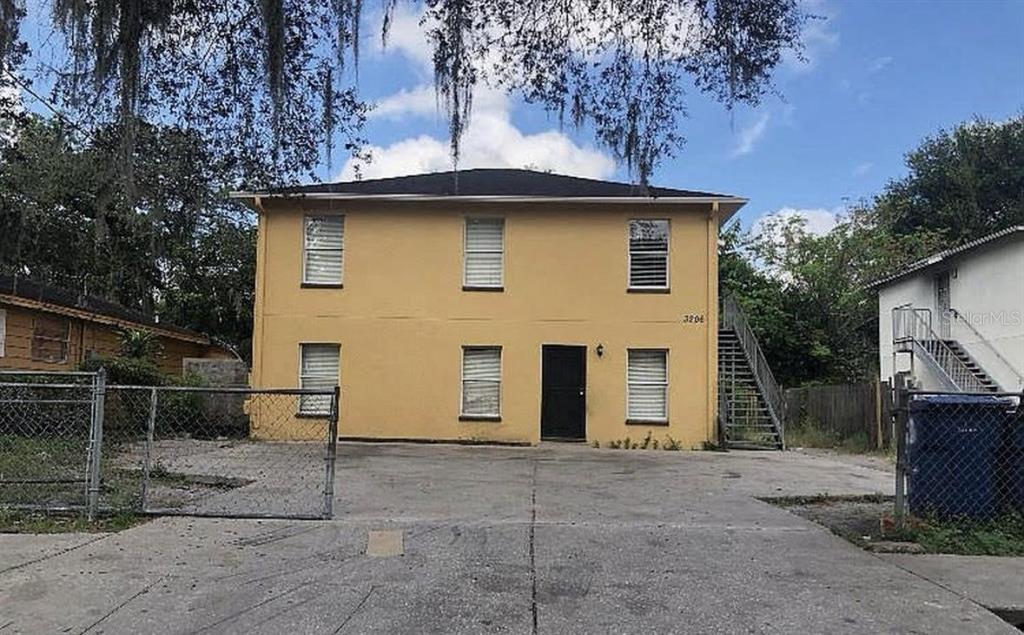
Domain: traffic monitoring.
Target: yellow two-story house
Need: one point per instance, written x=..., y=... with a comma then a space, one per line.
x=492, y=305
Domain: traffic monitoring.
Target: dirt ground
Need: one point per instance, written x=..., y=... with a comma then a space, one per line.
x=859, y=521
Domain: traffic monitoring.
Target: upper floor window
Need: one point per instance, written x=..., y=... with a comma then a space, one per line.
x=323, y=250
x=484, y=253
x=51, y=337
x=648, y=254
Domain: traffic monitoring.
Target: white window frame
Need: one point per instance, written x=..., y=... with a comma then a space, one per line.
x=665, y=385
x=3, y=332
x=462, y=382
x=667, y=252
x=306, y=249
x=302, y=409
x=466, y=285
x=65, y=342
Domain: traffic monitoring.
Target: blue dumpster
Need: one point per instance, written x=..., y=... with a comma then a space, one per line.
x=1014, y=459
x=953, y=448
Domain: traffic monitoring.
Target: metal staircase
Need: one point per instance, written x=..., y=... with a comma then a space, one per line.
x=750, y=403
x=955, y=369
x=961, y=359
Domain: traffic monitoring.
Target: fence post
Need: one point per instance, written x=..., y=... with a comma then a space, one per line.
x=332, y=453
x=150, y=426
x=902, y=413
x=877, y=432
x=96, y=446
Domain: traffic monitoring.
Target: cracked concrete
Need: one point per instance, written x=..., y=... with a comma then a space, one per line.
x=553, y=539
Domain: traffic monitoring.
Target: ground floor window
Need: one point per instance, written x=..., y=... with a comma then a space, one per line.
x=51, y=337
x=481, y=381
x=647, y=385
x=318, y=370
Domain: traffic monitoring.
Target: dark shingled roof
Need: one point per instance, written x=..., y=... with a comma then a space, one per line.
x=30, y=290
x=492, y=182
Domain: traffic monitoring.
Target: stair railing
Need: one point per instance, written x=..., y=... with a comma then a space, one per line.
x=912, y=332
x=981, y=338
x=733, y=318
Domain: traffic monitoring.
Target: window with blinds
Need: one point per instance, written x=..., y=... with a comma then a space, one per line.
x=484, y=253
x=318, y=370
x=648, y=254
x=3, y=332
x=51, y=340
x=647, y=385
x=481, y=381
x=323, y=250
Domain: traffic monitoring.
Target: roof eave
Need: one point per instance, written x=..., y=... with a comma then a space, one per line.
x=652, y=200
x=88, y=315
x=936, y=259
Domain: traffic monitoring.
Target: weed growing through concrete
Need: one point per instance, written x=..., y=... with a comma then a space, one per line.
x=647, y=443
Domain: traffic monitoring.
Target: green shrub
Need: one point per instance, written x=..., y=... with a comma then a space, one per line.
x=126, y=371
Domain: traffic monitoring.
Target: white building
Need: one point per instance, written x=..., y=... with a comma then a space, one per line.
x=955, y=320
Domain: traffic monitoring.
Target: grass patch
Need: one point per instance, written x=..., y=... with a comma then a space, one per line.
x=26, y=457
x=24, y=522
x=1003, y=536
x=810, y=434
x=825, y=499
x=866, y=520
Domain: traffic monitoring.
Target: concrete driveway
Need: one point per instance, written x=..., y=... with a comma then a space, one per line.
x=441, y=539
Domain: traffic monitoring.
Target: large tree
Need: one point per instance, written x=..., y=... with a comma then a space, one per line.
x=168, y=242
x=963, y=183
x=807, y=296
x=265, y=80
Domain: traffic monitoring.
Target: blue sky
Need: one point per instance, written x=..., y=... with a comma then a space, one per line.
x=881, y=76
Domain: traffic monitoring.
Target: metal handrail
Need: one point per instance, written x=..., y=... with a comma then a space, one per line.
x=910, y=327
x=984, y=340
x=732, y=316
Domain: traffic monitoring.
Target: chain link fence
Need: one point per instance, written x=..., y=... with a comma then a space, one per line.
x=47, y=437
x=960, y=457
x=228, y=452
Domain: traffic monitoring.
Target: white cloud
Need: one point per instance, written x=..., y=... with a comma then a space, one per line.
x=880, y=64
x=818, y=36
x=491, y=140
x=816, y=220
x=750, y=135
x=863, y=168
x=406, y=36
x=420, y=101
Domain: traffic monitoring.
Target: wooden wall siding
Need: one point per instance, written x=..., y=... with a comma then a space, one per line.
x=18, y=349
x=845, y=410
x=86, y=336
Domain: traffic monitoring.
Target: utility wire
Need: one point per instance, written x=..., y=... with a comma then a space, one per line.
x=25, y=86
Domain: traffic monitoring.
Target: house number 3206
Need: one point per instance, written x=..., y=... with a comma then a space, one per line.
x=693, y=318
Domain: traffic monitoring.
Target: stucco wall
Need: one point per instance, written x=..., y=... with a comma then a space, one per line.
x=402, y=316
x=917, y=291
x=986, y=287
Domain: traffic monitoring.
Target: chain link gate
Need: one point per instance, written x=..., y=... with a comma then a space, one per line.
x=48, y=436
x=225, y=452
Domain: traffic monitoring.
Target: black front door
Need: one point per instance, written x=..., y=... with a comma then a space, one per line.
x=563, y=394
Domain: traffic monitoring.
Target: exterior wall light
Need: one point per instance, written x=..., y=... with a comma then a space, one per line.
x=600, y=350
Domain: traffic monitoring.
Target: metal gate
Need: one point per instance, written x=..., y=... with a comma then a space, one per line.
x=226, y=452
x=47, y=439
